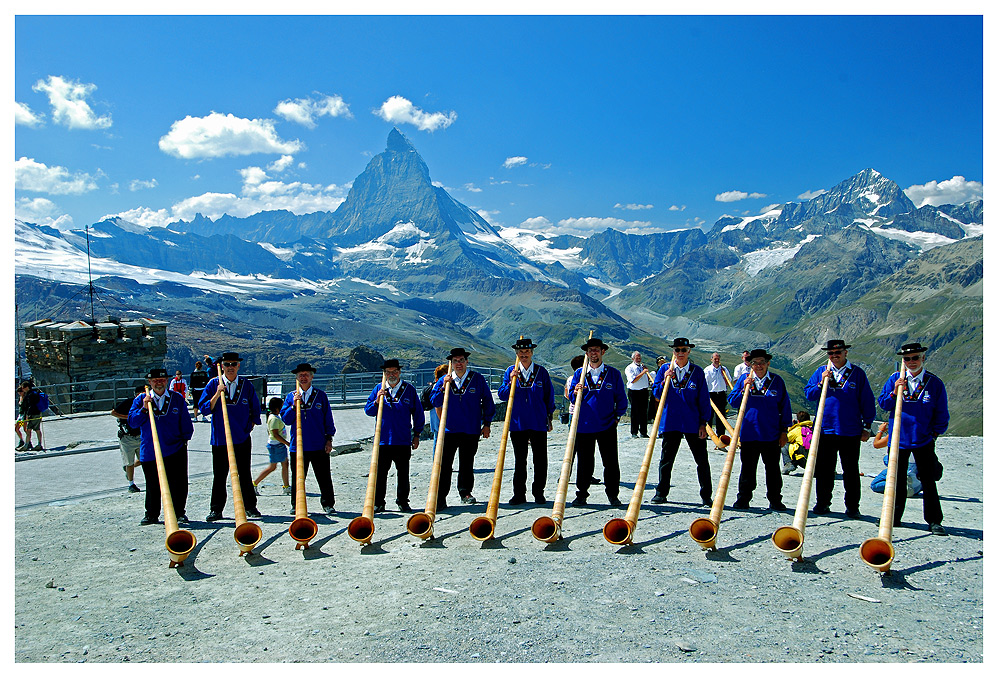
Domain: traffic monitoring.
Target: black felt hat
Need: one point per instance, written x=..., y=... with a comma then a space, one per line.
x=759, y=353
x=835, y=345
x=594, y=342
x=230, y=357
x=303, y=367
x=157, y=373
x=681, y=342
x=916, y=347
x=457, y=353
x=523, y=343
x=391, y=362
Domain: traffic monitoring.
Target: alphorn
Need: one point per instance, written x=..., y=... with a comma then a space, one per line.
x=704, y=530
x=246, y=534
x=619, y=531
x=789, y=540
x=179, y=543
x=361, y=528
x=721, y=442
x=548, y=529
x=421, y=524
x=878, y=552
x=483, y=527
x=302, y=529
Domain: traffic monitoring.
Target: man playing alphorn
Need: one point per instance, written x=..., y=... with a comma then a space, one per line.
x=174, y=427
x=717, y=387
x=469, y=416
x=531, y=419
x=764, y=429
x=244, y=413
x=684, y=415
x=924, y=417
x=604, y=402
x=402, y=421
x=317, y=431
x=849, y=413
x=638, y=381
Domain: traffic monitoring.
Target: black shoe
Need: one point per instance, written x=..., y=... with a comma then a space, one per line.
x=937, y=529
x=707, y=502
x=658, y=499
x=214, y=515
x=183, y=519
x=740, y=504
x=820, y=510
x=614, y=501
x=777, y=506
x=853, y=514
x=580, y=501
x=595, y=481
x=378, y=508
x=539, y=499
x=253, y=513
x=644, y=435
x=133, y=488
x=146, y=520
x=634, y=435
x=403, y=506
x=330, y=511
x=467, y=499
x=517, y=500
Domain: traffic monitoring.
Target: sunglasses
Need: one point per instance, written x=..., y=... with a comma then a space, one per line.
x=831, y=353
x=911, y=358
x=230, y=364
x=681, y=350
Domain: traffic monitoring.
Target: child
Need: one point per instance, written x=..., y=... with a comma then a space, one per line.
x=881, y=441
x=277, y=445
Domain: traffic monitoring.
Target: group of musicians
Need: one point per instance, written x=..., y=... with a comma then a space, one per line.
x=759, y=395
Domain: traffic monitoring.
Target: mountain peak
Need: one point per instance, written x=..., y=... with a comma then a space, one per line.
x=398, y=142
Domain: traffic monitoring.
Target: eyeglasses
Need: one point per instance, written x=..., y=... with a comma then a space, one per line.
x=911, y=358
x=681, y=350
x=230, y=364
x=757, y=363
x=831, y=353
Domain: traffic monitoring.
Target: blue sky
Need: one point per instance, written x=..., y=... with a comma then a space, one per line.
x=560, y=124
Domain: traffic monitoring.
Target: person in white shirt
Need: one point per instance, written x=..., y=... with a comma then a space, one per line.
x=638, y=382
x=744, y=366
x=718, y=381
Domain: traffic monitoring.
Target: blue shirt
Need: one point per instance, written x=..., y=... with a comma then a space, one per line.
x=316, y=421
x=533, y=401
x=173, y=425
x=687, y=404
x=243, y=410
x=924, y=414
x=767, y=413
x=401, y=416
x=603, y=403
x=849, y=406
x=469, y=410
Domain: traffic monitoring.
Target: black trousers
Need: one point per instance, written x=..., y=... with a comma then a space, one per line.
x=538, y=441
x=220, y=475
x=720, y=399
x=319, y=461
x=926, y=460
x=585, y=452
x=670, y=447
x=465, y=446
x=639, y=411
x=175, y=466
x=769, y=450
x=831, y=448
x=388, y=455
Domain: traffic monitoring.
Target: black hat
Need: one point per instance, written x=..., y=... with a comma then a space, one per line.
x=594, y=342
x=759, y=353
x=681, y=342
x=157, y=373
x=835, y=345
x=916, y=347
x=523, y=343
x=457, y=353
x=230, y=357
x=391, y=362
x=303, y=367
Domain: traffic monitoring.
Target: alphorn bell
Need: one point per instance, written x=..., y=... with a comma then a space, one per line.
x=620, y=530
x=548, y=529
x=302, y=529
x=361, y=528
x=789, y=540
x=246, y=534
x=878, y=552
x=704, y=530
x=421, y=524
x=179, y=543
x=483, y=527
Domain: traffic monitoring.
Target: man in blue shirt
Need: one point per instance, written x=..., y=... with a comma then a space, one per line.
x=604, y=402
x=846, y=422
x=924, y=417
x=317, y=431
x=402, y=421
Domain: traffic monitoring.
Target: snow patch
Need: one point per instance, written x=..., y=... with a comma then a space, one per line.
x=775, y=256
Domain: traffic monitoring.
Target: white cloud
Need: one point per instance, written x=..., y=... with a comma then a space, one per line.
x=489, y=216
x=39, y=177
x=769, y=208
x=25, y=116
x=632, y=206
x=514, y=161
x=281, y=163
x=734, y=196
x=305, y=111
x=537, y=224
x=35, y=210
x=472, y=188
x=955, y=191
x=398, y=109
x=677, y=208
x=810, y=195
x=143, y=216
x=586, y=226
x=217, y=135
x=139, y=184
x=69, y=105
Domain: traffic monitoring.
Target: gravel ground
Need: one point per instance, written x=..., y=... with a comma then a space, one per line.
x=91, y=585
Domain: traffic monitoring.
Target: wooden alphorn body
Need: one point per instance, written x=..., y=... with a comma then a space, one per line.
x=789, y=540
x=721, y=442
x=878, y=552
x=361, y=528
x=179, y=543
x=302, y=529
x=421, y=524
x=704, y=530
x=246, y=534
x=548, y=529
x=620, y=530
x=483, y=527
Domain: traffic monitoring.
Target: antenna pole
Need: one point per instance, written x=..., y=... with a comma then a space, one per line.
x=90, y=282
